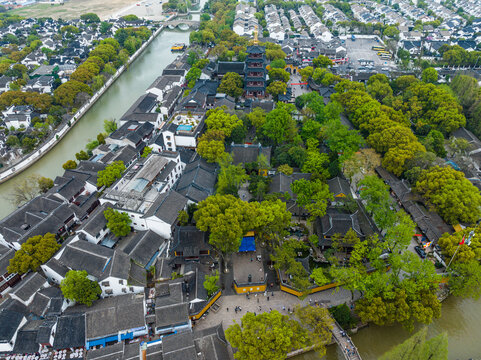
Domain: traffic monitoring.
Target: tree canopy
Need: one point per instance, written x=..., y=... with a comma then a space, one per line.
x=267, y=336
x=418, y=347
x=78, y=287
x=111, y=173
x=118, y=222
x=451, y=194
x=231, y=84
x=220, y=119
x=33, y=253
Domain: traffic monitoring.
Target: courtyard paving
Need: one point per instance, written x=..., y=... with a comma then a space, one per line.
x=265, y=302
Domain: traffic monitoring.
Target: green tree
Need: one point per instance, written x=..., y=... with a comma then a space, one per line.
x=306, y=73
x=285, y=169
x=341, y=140
x=33, y=253
x=66, y=93
x=45, y=183
x=130, y=17
x=118, y=222
x=231, y=177
x=465, y=278
x=378, y=201
x=273, y=219
x=435, y=142
x=110, y=126
x=111, y=173
x=183, y=217
x=220, y=119
x=192, y=76
x=451, y=194
x=211, y=145
x=276, y=74
x=232, y=85
x=69, y=164
x=399, y=235
x=319, y=324
x=450, y=244
x=276, y=88
x=279, y=125
x=322, y=61
x=417, y=347
x=146, y=152
x=430, y=75
x=257, y=117
x=319, y=277
x=210, y=283
x=76, y=286
x=312, y=195
x=82, y=155
x=227, y=219
x=267, y=336
x=278, y=64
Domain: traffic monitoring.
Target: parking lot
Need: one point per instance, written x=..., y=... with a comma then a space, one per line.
x=362, y=56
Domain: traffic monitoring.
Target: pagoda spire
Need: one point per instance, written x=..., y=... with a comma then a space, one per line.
x=256, y=39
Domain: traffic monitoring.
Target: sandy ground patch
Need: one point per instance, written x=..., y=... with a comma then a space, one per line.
x=72, y=9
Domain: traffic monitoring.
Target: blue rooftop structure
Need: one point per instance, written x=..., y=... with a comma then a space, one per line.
x=248, y=244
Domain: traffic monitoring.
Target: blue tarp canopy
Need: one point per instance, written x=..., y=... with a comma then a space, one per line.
x=248, y=244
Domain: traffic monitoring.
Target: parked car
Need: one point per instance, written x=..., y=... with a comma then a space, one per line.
x=420, y=251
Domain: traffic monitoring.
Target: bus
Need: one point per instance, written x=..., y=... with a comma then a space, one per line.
x=383, y=52
x=386, y=57
x=378, y=48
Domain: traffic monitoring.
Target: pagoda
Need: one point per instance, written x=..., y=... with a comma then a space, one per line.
x=255, y=70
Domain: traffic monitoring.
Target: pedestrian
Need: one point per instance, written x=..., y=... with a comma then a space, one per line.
x=283, y=308
x=265, y=293
x=258, y=300
x=267, y=298
x=255, y=313
x=260, y=308
x=227, y=309
x=272, y=294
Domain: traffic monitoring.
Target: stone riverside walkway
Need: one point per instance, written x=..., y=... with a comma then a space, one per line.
x=281, y=302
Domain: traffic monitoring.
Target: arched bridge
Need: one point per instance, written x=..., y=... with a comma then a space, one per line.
x=192, y=24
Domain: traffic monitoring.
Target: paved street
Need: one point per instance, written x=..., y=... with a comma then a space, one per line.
x=278, y=302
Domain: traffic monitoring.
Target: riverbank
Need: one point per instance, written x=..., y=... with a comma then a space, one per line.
x=112, y=105
x=56, y=138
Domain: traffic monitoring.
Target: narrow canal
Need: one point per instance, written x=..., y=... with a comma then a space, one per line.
x=112, y=105
x=460, y=318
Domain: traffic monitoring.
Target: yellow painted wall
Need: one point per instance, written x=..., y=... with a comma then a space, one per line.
x=311, y=291
x=250, y=288
x=207, y=307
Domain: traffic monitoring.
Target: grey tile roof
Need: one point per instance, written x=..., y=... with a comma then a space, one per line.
x=70, y=331
x=96, y=221
x=167, y=206
x=143, y=246
x=82, y=255
x=171, y=315
x=190, y=241
x=249, y=153
x=211, y=342
x=31, y=284
x=111, y=315
x=198, y=180
x=179, y=346
x=339, y=186
x=12, y=313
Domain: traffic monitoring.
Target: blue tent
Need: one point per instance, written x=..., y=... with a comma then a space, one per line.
x=248, y=244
